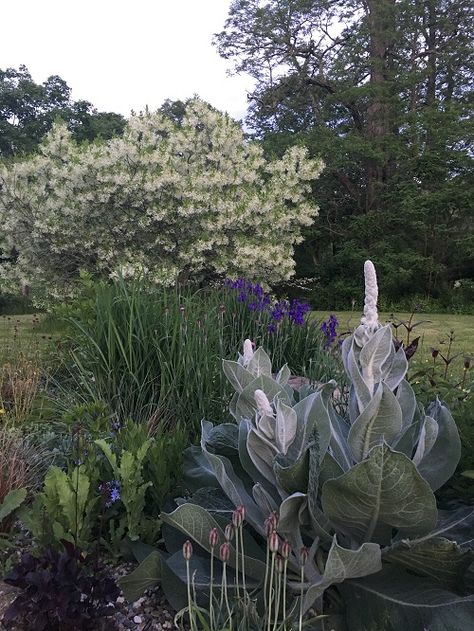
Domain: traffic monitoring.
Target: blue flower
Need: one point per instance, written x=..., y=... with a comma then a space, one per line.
x=110, y=491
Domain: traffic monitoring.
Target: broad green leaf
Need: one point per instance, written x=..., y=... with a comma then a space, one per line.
x=426, y=440
x=374, y=354
x=343, y=564
x=262, y=453
x=247, y=463
x=260, y=364
x=292, y=477
x=238, y=376
x=456, y=525
x=283, y=375
x=361, y=390
x=380, y=421
x=406, y=399
x=440, y=463
x=310, y=412
x=329, y=469
x=147, y=574
x=393, y=600
x=196, y=523
x=223, y=439
x=264, y=500
x=230, y=483
x=13, y=500
x=397, y=370
x=383, y=492
x=285, y=426
x=439, y=559
x=197, y=470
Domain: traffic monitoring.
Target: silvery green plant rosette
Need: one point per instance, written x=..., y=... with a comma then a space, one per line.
x=356, y=492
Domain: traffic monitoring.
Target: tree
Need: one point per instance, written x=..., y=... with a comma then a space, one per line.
x=28, y=110
x=190, y=200
x=381, y=90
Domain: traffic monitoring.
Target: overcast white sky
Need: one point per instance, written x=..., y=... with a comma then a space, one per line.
x=124, y=54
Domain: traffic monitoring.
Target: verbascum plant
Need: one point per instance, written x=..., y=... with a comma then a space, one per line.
x=356, y=493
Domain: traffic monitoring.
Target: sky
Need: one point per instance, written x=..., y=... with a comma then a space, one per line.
x=122, y=55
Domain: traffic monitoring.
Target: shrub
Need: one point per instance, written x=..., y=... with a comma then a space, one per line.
x=194, y=199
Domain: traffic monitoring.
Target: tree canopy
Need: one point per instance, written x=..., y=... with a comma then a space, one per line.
x=28, y=110
x=382, y=90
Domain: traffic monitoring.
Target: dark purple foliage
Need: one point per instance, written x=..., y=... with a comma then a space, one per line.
x=60, y=591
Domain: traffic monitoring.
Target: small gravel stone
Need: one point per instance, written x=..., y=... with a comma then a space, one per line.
x=137, y=619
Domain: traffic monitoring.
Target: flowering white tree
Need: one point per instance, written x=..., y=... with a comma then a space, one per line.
x=188, y=200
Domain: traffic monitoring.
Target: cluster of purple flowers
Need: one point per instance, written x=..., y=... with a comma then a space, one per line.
x=329, y=329
x=110, y=491
x=257, y=299
x=252, y=294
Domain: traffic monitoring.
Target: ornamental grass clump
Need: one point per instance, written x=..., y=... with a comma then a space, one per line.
x=356, y=491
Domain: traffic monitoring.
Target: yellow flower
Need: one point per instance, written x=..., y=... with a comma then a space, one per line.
x=2, y=411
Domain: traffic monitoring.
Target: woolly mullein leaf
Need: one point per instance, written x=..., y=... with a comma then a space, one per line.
x=439, y=559
x=397, y=371
x=374, y=356
x=237, y=375
x=262, y=453
x=343, y=564
x=362, y=392
x=264, y=500
x=285, y=426
x=260, y=364
x=197, y=523
x=380, y=421
x=439, y=464
x=393, y=599
x=383, y=492
x=283, y=375
x=230, y=483
x=426, y=439
x=292, y=476
x=407, y=401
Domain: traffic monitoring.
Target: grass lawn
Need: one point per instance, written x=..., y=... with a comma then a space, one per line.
x=23, y=334
x=434, y=332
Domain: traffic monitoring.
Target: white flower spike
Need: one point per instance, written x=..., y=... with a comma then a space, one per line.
x=370, y=319
x=248, y=352
x=263, y=404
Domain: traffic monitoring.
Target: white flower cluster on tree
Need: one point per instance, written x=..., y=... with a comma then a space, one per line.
x=177, y=201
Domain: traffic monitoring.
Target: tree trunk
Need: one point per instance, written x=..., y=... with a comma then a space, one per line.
x=381, y=24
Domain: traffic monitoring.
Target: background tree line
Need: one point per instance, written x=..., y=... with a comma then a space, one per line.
x=382, y=90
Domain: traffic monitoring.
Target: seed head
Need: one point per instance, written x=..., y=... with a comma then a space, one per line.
x=187, y=550
x=285, y=549
x=224, y=552
x=229, y=532
x=213, y=537
x=304, y=555
x=274, y=541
